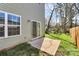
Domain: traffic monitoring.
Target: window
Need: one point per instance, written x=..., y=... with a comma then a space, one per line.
x=9, y=24
x=13, y=20
x=2, y=18
x=13, y=25
x=2, y=22
x=13, y=31
x=1, y=31
x=35, y=29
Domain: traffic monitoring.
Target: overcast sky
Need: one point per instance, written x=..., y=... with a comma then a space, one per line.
x=48, y=8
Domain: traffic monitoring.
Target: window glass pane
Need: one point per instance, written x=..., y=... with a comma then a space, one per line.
x=13, y=20
x=13, y=31
x=34, y=30
x=9, y=19
x=1, y=31
x=2, y=18
x=18, y=20
x=38, y=29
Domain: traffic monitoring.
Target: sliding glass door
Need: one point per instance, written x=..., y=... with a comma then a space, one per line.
x=35, y=29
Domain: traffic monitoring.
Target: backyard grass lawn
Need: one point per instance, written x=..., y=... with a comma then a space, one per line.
x=23, y=49
x=67, y=46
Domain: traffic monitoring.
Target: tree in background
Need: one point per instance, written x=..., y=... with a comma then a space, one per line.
x=65, y=13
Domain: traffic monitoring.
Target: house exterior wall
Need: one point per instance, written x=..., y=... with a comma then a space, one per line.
x=27, y=11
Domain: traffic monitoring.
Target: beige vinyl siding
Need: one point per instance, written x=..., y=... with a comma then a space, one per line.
x=28, y=11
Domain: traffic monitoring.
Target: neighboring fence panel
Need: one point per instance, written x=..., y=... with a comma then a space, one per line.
x=75, y=35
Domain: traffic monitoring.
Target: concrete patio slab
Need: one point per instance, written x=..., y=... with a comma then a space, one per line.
x=47, y=45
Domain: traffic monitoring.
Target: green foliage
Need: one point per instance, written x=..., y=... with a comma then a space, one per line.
x=67, y=46
x=23, y=49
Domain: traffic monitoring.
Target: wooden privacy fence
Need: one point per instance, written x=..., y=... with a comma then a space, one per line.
x=75, y=35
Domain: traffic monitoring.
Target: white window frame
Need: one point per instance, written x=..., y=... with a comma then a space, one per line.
x=40, y=29
x=6, y=25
